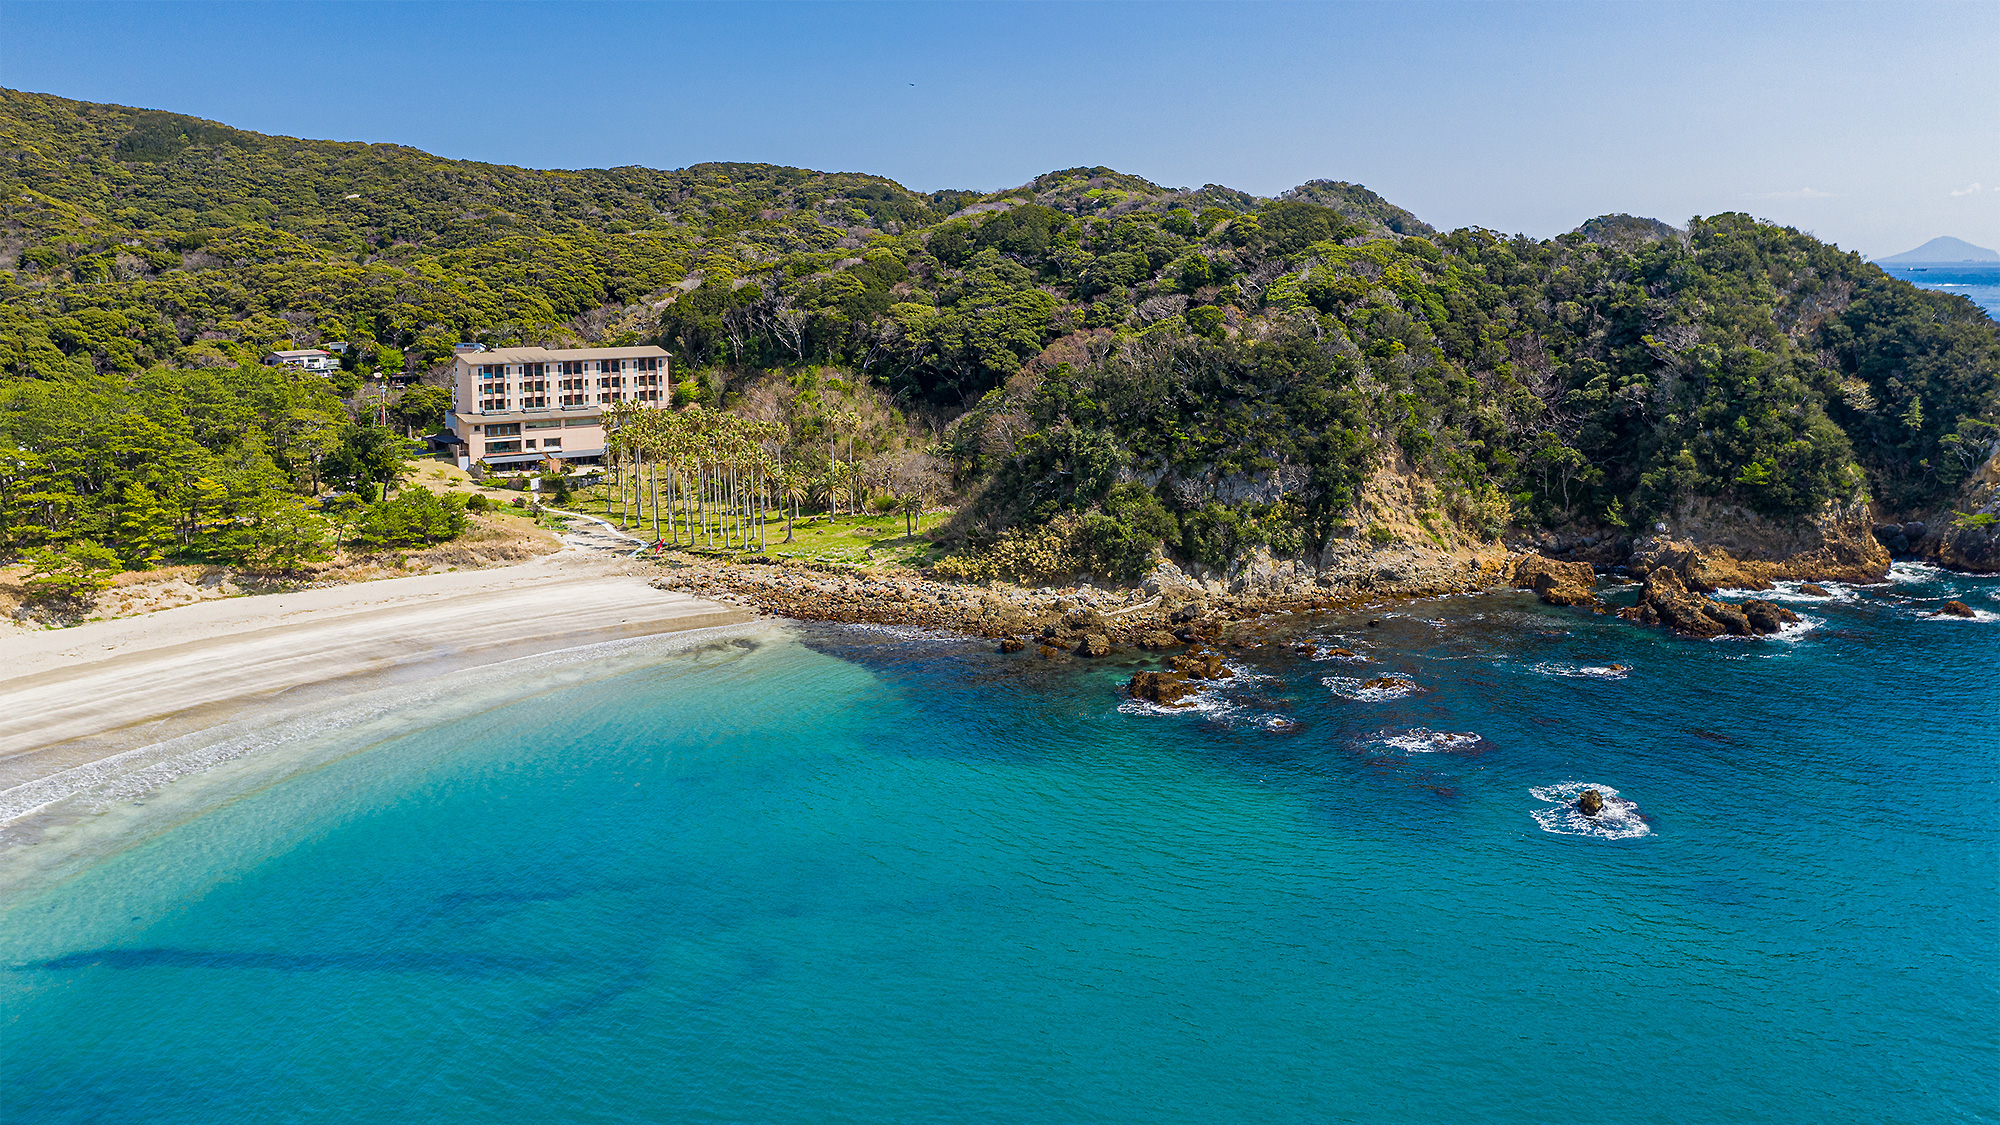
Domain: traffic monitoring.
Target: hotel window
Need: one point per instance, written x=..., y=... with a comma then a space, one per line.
x=503, y=447
x=552, y=443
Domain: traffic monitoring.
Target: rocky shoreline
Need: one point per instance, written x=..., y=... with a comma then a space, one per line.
x=1171, y=609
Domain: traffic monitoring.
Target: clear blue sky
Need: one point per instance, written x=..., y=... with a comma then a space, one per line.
x=1868, y=125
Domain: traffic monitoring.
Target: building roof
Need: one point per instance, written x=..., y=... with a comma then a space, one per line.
x=301, y=353
x=556, y=355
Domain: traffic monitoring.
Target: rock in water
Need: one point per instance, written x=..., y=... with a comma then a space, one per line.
x=1199, y=664
x=1767, y=617
x=1663, y=600
x=1158, y=640
x=1163, y=688
x=1955, y=608
x=1814, y=590
x=1391, y=683
x=1590, y=802
x=1096, y=644
x=1012, y=644
x=1557, y=583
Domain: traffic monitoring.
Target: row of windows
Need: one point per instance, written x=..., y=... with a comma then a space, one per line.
x=541, y=385
x=517, y=446
x=541, y=402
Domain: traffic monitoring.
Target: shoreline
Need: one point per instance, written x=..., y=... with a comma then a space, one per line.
x=78, y=696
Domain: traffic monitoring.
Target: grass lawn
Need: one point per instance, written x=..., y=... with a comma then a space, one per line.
x=847, y=541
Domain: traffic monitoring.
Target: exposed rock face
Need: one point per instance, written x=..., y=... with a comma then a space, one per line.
x=1727, y=549
x=1590, y=802
x=1663, y=600
x=1955, y=608
x=1974, y=549
x=1813, y=589
x=1158, y=640
x=1096, y=644
x=1557, y=583
x=1163, y=688
x=1012, y=644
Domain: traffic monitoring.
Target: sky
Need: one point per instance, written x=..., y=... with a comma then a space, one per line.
x=1874, y=126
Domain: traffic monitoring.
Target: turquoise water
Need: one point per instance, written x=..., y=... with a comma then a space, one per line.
x=846, y=875
x=1967, y=279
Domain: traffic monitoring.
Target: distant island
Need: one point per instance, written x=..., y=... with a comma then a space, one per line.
x=1946, y=249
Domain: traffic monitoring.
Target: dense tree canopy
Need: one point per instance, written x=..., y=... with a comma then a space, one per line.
x=1244, y=363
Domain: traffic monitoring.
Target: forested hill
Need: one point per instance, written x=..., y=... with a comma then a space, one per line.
x=1243, y=362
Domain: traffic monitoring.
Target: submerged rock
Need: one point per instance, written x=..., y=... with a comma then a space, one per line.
x=1391, y=683
x=1590, y=802
x=1955, y=608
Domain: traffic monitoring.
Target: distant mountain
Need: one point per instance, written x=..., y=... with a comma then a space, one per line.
x=1945, y=249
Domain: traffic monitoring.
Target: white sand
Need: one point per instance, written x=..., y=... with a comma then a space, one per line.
x=73, y=696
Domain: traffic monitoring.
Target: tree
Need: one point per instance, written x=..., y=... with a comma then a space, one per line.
x=421, y=408
x=367, y=456
x=72, y=574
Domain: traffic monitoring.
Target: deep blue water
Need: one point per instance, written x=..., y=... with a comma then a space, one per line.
x=842, y=875
x=1967, y=279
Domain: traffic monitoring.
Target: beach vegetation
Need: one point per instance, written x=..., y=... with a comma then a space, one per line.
x=71, y=574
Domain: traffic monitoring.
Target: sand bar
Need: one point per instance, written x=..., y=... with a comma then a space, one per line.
x=72, y=696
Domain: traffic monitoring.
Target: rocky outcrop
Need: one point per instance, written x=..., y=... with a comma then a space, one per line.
x=1768, y=617
x=1955, y=608
x=1663, y=600
x=1163, y=688
x=1201, y=664
x=1095, y=644
x=1974, y=548
x=1713, y=548
x=1012, y=644
x=1169, y=688
x=1590, y=802
x=1555, y=582
x=1811, y=589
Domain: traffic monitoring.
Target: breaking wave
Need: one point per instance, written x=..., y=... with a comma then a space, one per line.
x=1620, y=819
x=1423, y=740
x=1372, y=691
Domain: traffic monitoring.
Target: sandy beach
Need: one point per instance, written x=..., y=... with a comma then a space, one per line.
x=69, y=697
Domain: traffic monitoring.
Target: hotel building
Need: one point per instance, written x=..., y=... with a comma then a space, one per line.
x=511, y=406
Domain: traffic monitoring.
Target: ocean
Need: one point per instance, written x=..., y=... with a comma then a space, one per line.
x=1979, y=281
x=838, y=874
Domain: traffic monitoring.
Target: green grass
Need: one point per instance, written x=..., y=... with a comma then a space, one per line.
x=870, y=540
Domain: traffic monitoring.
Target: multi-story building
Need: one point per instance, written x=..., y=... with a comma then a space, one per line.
x=516, y=405
x=310, y=359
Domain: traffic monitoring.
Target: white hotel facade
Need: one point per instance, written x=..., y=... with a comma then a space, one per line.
x=514, y=406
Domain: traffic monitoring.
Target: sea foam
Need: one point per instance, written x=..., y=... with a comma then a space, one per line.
x=1620, y=819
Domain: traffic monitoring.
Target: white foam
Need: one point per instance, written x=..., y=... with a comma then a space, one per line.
x=1423, y=740
x=1351, y=687
x=1620, y=819
x=1917, y=572
x=1985, y=616
x=1582, y=671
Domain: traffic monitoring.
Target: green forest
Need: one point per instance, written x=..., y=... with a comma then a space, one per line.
x=1131, y=365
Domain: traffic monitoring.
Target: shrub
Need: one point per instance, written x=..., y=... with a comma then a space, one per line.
x=413, y=518
x=478, y=502
x=73, y=573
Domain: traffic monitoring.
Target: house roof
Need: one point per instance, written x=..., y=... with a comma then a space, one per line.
x=557, y=355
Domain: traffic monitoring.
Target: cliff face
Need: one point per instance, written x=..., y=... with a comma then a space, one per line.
x=1715, y=547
